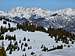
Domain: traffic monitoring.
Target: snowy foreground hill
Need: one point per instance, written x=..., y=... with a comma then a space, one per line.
x=31, y=37
x=37, y=39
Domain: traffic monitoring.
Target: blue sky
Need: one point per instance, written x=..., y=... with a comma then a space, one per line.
x=49, y=4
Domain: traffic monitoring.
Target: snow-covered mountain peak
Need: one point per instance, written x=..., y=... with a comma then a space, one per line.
x=67, y=11
x=27, y=12
x=2, y=13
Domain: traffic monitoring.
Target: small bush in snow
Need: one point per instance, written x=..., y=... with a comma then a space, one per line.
x=4, y=22
x=72, y=42
x=32, y=53
x=68, y=45
x=9, y=25
x=28, y=40
x=26, y=45
x=24, y=39
x=16, y=43
x=18, y=48
x=10, y=52
x=59, y=47
x=22, y=46
x=45, y=49
x=1, y=37
x=19, y=41
x=42, y=46
x=30, y=47
x=24, y=49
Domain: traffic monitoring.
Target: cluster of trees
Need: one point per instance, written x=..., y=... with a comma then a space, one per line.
x=2, y=51
x=12, y=47
x=58, y=47
x=25, y=44
x=61, y=34
x=40, y=28
x=45, y=49
x=1, y=37
x=9, y=37
x=12, y=29
x=26, y=26
x=30, y=27
x=3, y=30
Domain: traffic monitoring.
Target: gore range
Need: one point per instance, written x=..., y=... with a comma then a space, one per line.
x=64, y=18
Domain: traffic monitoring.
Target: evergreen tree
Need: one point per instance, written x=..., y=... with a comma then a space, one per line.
x=30, y=47
x=24, y=49
x=24, y=39
x=18, y=48
x=28, y=40
x=26, y=45
x=32, y=53
x=4, y=22
x=19, y=41
x=9, y=25
x=14, y=37
x=10, y=52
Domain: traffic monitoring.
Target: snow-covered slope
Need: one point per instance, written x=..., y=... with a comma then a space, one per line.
x=37, y=39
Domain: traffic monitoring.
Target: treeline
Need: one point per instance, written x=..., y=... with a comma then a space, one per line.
x=26, y=26
x=61, y=35
x=30, y=27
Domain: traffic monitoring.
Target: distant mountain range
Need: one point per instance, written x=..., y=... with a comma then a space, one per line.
x=64, y=18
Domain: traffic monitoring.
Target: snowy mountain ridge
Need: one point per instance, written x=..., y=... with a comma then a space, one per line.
x=64, y=18
x=20, y=11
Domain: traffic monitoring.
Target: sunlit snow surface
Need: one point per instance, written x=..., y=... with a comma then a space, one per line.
x=36, y=40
